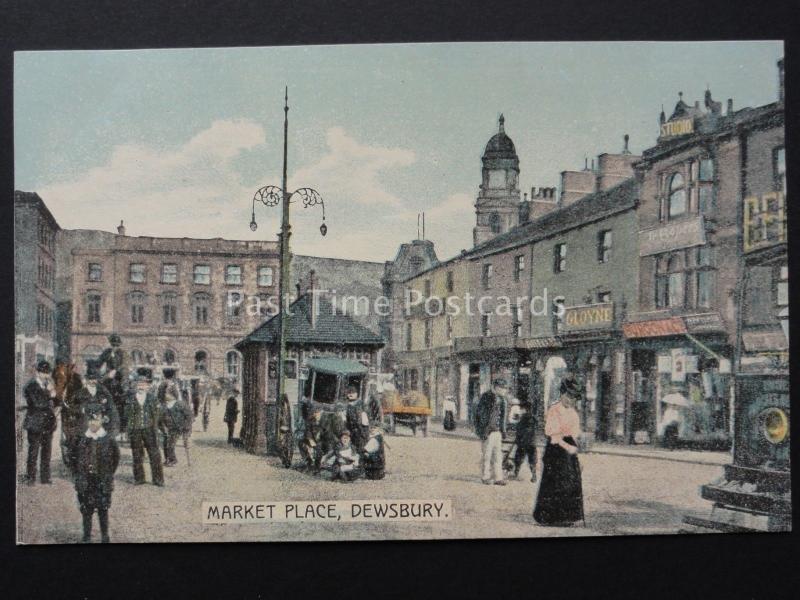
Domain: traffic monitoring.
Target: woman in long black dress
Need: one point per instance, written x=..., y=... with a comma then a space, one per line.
x=560, y=498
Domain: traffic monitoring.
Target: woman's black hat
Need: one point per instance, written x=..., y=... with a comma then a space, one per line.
x=570, y=387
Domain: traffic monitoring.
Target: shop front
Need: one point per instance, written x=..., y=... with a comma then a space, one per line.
x=681, y=382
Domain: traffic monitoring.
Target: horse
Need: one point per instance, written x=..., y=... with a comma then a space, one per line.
x=67, y=382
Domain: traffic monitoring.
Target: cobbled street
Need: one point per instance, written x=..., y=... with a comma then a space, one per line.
x=624, y=495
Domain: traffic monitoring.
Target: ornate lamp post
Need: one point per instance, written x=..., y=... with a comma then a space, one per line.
x=271, y=195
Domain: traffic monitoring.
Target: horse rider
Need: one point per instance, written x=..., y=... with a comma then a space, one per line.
x=112, y=366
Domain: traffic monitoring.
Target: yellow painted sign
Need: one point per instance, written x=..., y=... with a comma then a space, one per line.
x=764, y=221
x=678, y=127
x=593, y=316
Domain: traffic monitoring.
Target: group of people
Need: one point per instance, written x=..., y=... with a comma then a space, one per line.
x=93, y=421
x=559, y=501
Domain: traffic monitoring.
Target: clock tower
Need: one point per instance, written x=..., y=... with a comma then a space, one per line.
x=497, y=206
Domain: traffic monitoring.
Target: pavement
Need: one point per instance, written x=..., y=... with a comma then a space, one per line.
x=623, y=495
x=701, y=457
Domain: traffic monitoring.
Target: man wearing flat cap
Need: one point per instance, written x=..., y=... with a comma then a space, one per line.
x=491, y=418
x=40, y=421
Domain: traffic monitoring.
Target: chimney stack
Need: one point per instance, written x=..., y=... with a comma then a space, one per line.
x=730, y=106
x=121, y=228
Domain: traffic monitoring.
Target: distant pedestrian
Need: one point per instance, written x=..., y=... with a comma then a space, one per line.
x=40, y=421
x=231, y=414
x=560, y=498
x=525, y=440
x=97, y=461
x=172, y=423
x=490, y=425
x=449, y=422
x=143, y=411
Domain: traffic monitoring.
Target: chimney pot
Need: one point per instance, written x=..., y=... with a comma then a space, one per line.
x=730, y=106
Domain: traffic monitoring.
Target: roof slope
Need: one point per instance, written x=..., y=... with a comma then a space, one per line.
x=331, y=328
x=590, y=208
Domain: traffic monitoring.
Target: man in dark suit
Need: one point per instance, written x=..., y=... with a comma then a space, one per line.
x=143, y=411
x=491, y=417
x=231, y=414
x=40, y=421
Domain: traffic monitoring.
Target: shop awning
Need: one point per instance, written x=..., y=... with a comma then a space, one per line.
x=763, y=341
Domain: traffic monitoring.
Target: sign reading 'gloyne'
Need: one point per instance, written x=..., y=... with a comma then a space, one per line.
x=592, y=316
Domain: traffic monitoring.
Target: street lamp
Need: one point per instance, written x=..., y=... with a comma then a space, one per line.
x=271, y=195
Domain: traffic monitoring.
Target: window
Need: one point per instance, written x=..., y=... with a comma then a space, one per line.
x=137, y=307
x=603, y=297
x=485, y=325
x=705, y=200
x=93, y=300
x=677, y=196
x=95, y=272
x=706, y=169
x=559, y=257
x=604, y=241
x=516, y=326
x=233, y=275
x=783, y=286
x=428, y=332
x=408, y=337
x=232, y=362
x=449, y=327
x=201, y=303
x=779, y=167
x=670, y=282
x=169, y=273
x=265, y=276
x=519, y=266
x=137, y=357
x=487, y=276
x=233, y=307
x=494, y=223
x=202, y=274
x=427, y=288
x=201, y=361
x=704, y=291
x=169, y=356
x=136, y=273
x=449, y=282
x=264, y=306
x=170, y=309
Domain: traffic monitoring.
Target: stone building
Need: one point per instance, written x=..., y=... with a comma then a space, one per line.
x=174, y=301
x=35, y=270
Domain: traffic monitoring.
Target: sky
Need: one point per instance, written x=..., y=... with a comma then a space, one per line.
x=176, y=142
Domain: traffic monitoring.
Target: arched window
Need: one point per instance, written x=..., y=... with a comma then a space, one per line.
x=232, y=363
x=494, y=223
x=169, y=356
x=201, y=361
x=677, y=196
x=169, y=308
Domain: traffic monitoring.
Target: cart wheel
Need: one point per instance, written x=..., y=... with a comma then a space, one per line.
x=285, y=437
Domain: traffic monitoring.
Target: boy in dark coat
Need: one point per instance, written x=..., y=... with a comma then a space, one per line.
x=97, y=461
x=525, y=440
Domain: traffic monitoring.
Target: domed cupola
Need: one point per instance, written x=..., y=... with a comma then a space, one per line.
x=498, y=196
x=500, y=146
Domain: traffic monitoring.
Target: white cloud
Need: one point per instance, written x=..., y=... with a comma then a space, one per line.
x=198, y=190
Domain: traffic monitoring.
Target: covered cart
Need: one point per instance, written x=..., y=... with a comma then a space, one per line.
x=411, y=409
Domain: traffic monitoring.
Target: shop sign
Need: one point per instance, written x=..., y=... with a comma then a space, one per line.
x=704, y=322
x=592, y=316
x=656, y=328
x=677, y=127
x=685, y=233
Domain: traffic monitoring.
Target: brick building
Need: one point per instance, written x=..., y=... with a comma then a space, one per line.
x=35, y=235
x=695, y=184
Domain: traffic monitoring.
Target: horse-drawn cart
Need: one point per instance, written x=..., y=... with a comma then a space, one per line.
x=410, y=409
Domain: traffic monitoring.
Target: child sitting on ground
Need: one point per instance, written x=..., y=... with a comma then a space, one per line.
x=343, y=460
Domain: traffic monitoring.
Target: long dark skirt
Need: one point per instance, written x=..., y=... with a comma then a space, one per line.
x=560, y=498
